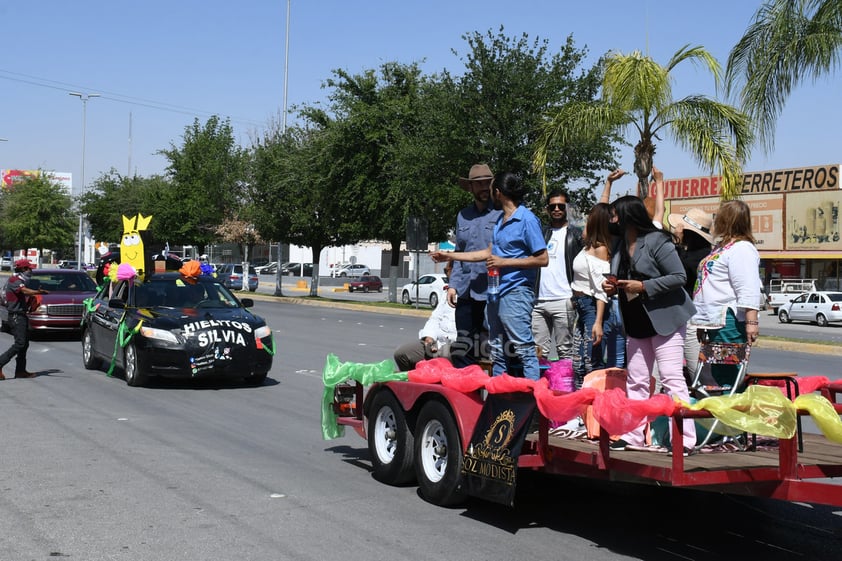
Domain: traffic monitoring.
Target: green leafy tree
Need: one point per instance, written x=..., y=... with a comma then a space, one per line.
x=112, y=196
x=301, y=199
x=376, y=125
x=498, y=106
x=207, y=174
x=637, y=99
x=37, y=213
x=788, y=42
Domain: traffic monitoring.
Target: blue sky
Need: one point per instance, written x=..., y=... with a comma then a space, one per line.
x=168, y=62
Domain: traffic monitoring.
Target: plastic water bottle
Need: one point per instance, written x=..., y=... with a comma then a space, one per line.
x=493, y=280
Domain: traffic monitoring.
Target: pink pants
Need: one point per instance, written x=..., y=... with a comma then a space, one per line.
x=642, y=354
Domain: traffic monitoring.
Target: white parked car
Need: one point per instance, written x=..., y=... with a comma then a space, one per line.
x=819, y=307
x=353, y=271
x=429, y=288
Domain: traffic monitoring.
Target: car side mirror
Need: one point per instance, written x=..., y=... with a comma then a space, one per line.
x=247, y=302
x=116, y=303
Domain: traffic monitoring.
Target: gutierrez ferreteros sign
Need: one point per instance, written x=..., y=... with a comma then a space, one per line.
x=795, y=180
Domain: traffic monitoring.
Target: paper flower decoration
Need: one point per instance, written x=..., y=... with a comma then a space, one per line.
x=126, y=272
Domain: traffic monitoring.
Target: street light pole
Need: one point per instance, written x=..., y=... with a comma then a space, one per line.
x=278, y=276
x=84, y=98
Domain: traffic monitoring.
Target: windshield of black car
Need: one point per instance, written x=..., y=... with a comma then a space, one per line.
x=57, y=282
x=183, y=293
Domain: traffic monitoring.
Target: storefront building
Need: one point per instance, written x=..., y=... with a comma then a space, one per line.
x=794, y=214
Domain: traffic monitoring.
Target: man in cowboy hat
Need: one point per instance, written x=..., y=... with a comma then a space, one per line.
x=18, y=303
x=469, y=281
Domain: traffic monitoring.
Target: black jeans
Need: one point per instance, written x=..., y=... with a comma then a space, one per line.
x=19, y=325
x=472, y=335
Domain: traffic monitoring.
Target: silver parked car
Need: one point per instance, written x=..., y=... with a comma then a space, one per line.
x=819, y=307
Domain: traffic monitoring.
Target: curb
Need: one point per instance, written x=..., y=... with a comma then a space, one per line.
x=763, y=342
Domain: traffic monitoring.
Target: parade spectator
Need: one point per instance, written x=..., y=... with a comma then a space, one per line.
x=469, y=280
x=517, y=250
x=553, y=316
x=434, y=339
x=727, y=293
x=18, y=303
x=590, y=301
x=650, y=284
x=692, y=231
x=614, y=335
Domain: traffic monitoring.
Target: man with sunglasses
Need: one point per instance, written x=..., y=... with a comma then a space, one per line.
x=553, y=316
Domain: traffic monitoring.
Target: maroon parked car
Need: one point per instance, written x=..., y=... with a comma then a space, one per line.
x=366, y=283
x=62, y=308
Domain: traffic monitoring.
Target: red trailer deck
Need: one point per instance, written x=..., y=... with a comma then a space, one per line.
x=413, y=429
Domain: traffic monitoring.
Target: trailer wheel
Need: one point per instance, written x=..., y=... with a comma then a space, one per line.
x=438, y=456
x=389, y=441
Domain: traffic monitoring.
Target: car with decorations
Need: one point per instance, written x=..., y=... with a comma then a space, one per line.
x=176, y=326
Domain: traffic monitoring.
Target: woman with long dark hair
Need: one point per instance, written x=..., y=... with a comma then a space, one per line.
x=589, y=298
x=650, y=284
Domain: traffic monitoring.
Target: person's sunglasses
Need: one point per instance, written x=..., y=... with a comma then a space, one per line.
x=557, y=206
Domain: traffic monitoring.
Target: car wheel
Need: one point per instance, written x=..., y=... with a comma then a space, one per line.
x=252, y=289
x=89, y=359
x=438, y=456
x=821, y=320
x=365, y=289
x=343, y=274
x=434, y=300
x=390, y=443
x=350, y=289
x=783, y=317
x=134, y=368
x=405, y=297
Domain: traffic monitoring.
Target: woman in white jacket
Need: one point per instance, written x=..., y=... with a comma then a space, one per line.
x=727, y=293
x=589, y=298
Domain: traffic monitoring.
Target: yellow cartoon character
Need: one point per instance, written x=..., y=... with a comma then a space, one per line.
x=131, y=244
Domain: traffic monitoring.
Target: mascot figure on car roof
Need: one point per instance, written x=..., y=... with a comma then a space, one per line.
x=131, y=244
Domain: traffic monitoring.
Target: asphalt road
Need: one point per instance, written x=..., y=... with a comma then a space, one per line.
x=96, y=470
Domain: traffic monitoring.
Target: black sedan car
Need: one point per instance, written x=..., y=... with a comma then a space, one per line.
x=177, y=327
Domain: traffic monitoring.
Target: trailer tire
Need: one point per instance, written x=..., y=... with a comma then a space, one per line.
x=390, y=442
x=438, y=456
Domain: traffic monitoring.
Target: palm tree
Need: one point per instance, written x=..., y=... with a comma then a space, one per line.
x=788, y=42
x=637, y=96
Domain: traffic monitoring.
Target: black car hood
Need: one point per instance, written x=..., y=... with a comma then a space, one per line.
x=194, y=318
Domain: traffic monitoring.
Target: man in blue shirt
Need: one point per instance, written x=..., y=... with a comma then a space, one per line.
x=469, y=281
x=518, y=250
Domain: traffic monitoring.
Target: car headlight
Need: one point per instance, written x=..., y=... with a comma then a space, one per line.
x=41, y=310
x=160, y=334
x=262, y=332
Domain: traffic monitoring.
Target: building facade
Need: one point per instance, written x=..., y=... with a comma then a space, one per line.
x=794, y=213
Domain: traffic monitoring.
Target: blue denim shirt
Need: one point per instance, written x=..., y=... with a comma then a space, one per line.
x=519, y=236
x=474, y=230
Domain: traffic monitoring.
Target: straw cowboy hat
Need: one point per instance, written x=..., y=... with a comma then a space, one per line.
x=696, y=220
x=479, y=172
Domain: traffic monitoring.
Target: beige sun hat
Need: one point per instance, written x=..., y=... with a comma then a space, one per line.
x=696, y=220
x=479, y=172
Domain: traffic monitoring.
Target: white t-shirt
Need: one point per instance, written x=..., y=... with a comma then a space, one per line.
x=554, y=284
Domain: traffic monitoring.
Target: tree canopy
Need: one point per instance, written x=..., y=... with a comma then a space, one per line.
x=637, y=101
x=37, y=213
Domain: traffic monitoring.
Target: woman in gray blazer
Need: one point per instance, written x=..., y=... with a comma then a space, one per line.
x=649, y=281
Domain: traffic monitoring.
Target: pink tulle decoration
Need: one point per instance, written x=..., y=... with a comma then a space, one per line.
x=126, y=272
